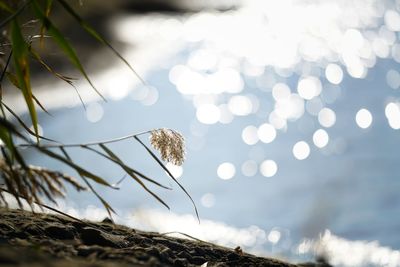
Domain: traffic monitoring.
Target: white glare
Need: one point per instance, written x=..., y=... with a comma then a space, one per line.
x=226, y=171
x=327, y=117
x=301, y=150
x=392, y=20
x=249, y=168
x=276, y=121
x=94, y=112
x=266, y=133
x=280, y=91
x=334, y=73
x=274, y=236
x=208, y=200
x=309, y=87
x=363, y=118
x=393, y=79
x=240, y=105
x=151, y=97
x=225, y=115
x=268, y=168
x=202, y=60
x=208, y=114
x=249, y=135
x=290, y=108
x=320, y=138
x=176, y=171
x=392, y=112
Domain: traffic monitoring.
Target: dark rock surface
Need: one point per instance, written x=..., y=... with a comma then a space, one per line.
x=28, y=239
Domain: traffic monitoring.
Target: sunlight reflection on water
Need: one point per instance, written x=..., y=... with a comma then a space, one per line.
x=277, y=72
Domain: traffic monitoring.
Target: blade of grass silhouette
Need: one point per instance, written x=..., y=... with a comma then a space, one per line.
x=50, y=208
x=169, y=173
x=113, y=157
x=24, y=125
x=14, y=80
x=131, y=174
x=16, y=180
x=3, y=73
x=40, y=105
x=91, y=143
x=4, y=123
x=49, y=3
x=79, y=169
x=66, y=79
x=107, y=206
x=120, y=180
x=21, y=66
x=64, y=45
x=97, y=36
x=15, y=14
x=6, y=8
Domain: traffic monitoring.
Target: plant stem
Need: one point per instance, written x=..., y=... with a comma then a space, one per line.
x=88, y=144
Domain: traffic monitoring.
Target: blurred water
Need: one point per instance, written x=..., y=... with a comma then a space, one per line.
x=291, y=113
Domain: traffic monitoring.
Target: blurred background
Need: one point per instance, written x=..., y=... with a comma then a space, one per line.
x=290, y=109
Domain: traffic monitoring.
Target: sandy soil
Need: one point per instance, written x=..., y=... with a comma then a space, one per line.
x=28, y=239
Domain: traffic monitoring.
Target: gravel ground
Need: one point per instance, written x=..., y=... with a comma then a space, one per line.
x=35, y=239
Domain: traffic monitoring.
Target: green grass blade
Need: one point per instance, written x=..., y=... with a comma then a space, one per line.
x=97, y=36
x=113, y=157
x=169, y=173
x=66, y=79
x=129, y=172
x=23, y=124
x=107, y=206
x=79, y=169
x=15, y=14
x=14, y=80
x=5, y=7
x=21, y=66
x=63, y=44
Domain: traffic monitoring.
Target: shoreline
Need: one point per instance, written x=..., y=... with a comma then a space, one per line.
x=37, y=239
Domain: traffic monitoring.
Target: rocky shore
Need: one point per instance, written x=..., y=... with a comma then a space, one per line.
x=37, y=239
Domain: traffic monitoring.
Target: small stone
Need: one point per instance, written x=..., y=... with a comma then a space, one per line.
x=184, y=255
x=233, y=256
x=84, y=251
x=153, y=252
x=58, y=231
x=107, y=220
x=181, y=262
x=92, y=236
x=197, y=260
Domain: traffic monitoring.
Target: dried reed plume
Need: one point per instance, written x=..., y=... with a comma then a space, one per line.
x=30, y=182
x=170, y=144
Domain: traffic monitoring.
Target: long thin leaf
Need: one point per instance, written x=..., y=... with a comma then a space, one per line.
x=169, y=173
x=79, y=169
x=49, y=4
x=15, y=14
x=66, y=79
x=107, y=206
x=21, y=65
x=11, y=128
x=14, y=80
x=97, y=36
x=40, y=104
x=130, y=173
x=113, y=157
x=63, y=44
x=24, y=125
x=3, y=73
x=5, y=7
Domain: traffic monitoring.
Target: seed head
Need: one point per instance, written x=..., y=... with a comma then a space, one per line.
x=170, y=144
